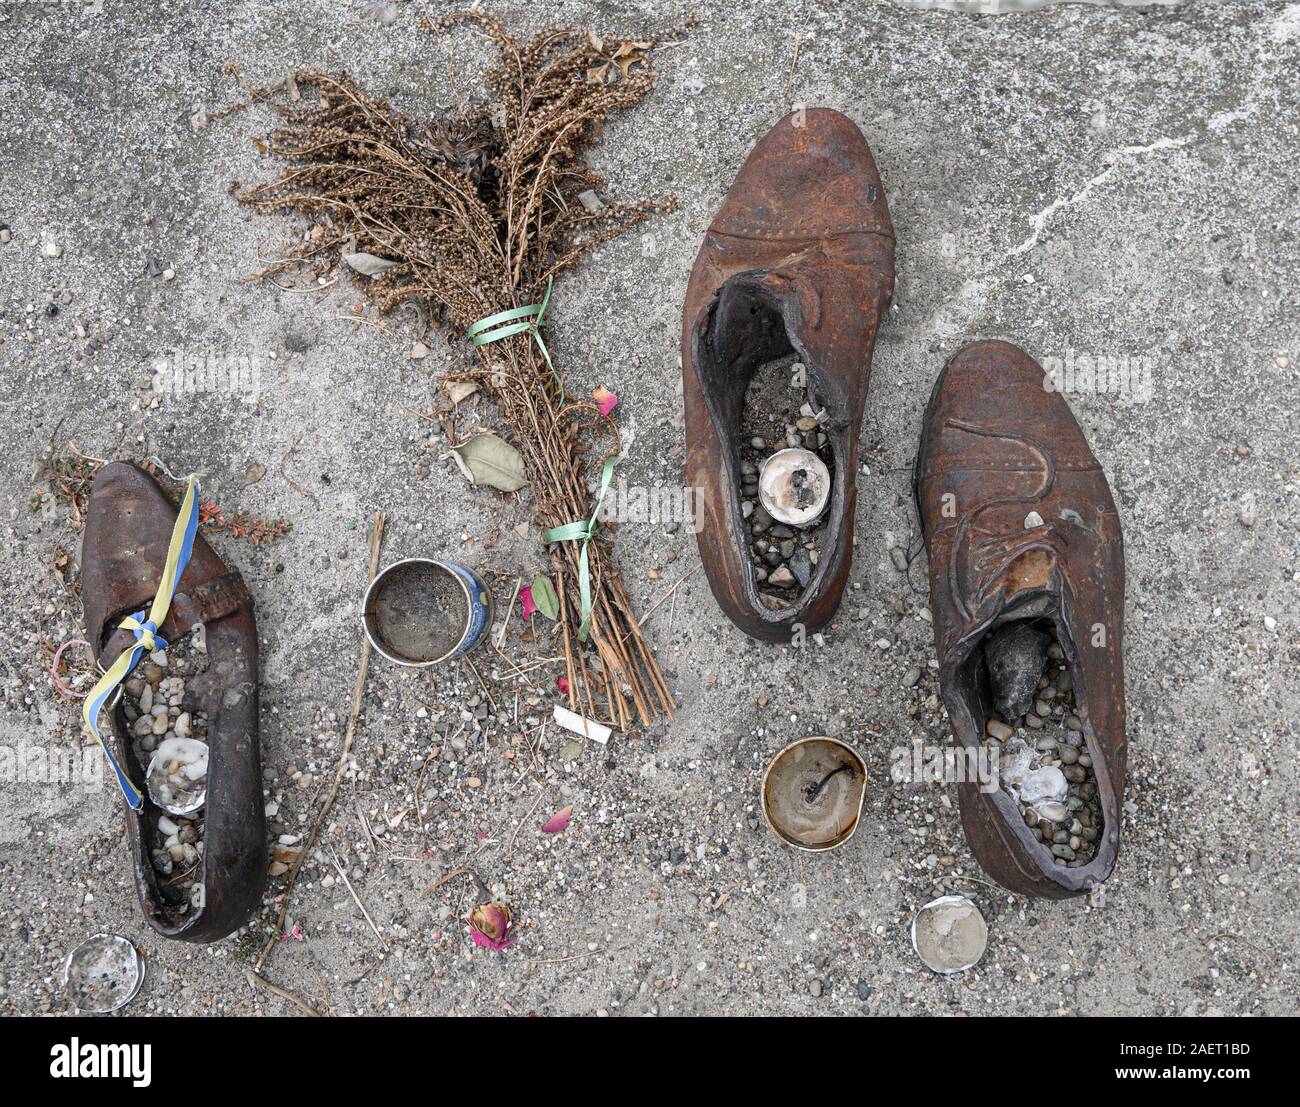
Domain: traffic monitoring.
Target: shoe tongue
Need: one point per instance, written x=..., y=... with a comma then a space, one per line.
x=748, y=323
x=1032, y=571
x=1028, y=587
x=792, y=293
x=791, y=285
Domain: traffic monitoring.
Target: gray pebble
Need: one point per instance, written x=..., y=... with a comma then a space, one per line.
x=782, y=577
x=801, y=566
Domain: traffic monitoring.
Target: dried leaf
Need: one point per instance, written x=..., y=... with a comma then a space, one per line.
x=489, y=460
x=60, y=562
x=543, y=593
x=558, y=822
x=460, y=390
x=629, y=54
x=369, y=265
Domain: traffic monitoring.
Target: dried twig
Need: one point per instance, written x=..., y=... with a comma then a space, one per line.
x=376, y=537
x=794, y=62
x=258, y=981
x=671, y=592
x=462, y=871
x=501, y=637
x=511, y=844
x=338, y=867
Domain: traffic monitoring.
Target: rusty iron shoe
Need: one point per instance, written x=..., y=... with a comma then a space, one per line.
x=800, y=259
x=1020, y=528
x=128, y=528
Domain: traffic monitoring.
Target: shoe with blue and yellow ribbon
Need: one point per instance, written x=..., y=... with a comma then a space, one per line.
x=146, y=637
x=148, y=579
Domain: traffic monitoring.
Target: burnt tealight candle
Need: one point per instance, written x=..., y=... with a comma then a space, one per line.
x=794, y=486
x=812, y=793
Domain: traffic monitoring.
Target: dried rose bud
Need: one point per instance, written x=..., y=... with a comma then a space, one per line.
x=489, y=926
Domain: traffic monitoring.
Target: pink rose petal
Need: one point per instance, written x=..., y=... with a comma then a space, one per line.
x=562, y=683
x=557, y=822
x=526, y=598
x=483, y=941
x=606, y=400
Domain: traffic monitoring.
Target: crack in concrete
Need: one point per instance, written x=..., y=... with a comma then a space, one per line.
x=1041, y=220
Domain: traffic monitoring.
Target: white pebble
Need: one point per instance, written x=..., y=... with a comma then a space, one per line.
x=1047, y=783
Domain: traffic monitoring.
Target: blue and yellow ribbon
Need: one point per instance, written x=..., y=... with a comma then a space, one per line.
x=583, y=531
x=529, y=317
x=147, y=638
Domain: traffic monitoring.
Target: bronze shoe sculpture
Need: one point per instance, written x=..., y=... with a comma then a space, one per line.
x=1027, y=592
x=128, y=528
x=800, y=259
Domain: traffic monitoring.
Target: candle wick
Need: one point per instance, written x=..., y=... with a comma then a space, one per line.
x=812, y=791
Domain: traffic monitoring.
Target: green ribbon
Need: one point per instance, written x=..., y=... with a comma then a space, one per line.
x=583, y=531
x=528, y=319
x=483, y=333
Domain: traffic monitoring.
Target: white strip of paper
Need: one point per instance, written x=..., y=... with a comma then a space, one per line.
x=598, y=732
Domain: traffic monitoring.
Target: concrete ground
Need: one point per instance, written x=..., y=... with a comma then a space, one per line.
x=1092, y=182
